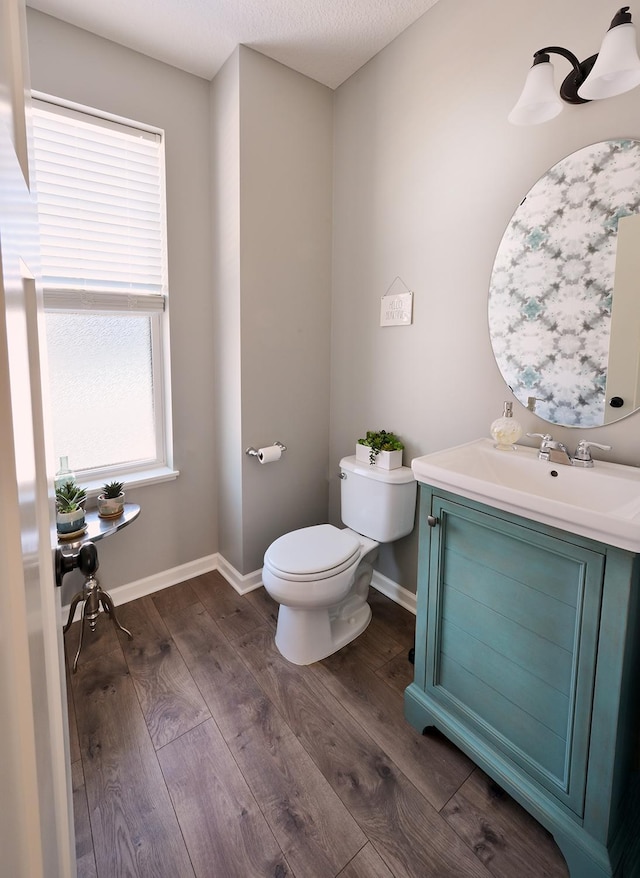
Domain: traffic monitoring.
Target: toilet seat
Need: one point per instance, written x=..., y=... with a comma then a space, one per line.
x=312, y=553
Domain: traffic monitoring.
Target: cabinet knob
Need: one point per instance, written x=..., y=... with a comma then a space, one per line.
x=432, y=520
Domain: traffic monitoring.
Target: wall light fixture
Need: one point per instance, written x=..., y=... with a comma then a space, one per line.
x=615, y=70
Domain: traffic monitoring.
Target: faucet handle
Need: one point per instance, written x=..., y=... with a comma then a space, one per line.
x=546, y=444
x=583, y=452
x=546, y=437
x=584, y=446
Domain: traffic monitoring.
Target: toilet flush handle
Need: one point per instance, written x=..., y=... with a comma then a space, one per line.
x=342, y=475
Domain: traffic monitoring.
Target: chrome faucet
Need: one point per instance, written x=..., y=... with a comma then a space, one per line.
x=552, y=451
x=557, y=452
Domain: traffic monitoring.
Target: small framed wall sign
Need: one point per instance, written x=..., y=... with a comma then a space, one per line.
x=396, y=309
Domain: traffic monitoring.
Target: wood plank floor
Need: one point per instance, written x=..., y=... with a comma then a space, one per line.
x=197, y=750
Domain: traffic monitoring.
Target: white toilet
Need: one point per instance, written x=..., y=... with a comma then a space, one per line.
x=320, y=575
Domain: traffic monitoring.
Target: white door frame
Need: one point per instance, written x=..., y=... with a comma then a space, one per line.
x=36, y=826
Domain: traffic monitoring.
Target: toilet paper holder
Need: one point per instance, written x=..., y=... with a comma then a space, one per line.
x=254, y=452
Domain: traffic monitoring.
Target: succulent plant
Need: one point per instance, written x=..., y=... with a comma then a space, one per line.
x=70, y=496
x=112, y=490
x=380, y=440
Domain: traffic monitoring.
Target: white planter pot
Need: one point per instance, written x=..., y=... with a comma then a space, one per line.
x=69, y=522
x=384, y=459
x=110, y=507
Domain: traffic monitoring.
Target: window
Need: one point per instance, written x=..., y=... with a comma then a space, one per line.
x=100, y=186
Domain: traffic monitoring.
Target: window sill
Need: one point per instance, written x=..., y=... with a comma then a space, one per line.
x=132, y=480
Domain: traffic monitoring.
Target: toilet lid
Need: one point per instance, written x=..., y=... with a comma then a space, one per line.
x=313, y=550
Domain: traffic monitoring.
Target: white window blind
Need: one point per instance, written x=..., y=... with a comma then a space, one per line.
x=100, y=203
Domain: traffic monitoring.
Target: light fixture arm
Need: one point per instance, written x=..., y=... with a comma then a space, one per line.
x=581, y=69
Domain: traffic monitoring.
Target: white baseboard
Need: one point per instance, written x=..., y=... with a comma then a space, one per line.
x=242, y=583
x=150, y=584
x=395, y=592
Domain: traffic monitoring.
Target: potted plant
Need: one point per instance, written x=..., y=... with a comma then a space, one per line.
x=111, y=500
x=69, y=508
x=380, y=448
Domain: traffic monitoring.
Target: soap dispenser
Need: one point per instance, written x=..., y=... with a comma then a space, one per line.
x=506, y=430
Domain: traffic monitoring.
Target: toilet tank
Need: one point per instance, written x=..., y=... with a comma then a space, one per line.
x=377, y=503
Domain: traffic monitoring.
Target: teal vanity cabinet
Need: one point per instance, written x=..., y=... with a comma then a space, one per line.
x=526, y=657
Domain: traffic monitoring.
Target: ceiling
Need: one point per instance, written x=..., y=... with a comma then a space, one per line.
x=327, y=40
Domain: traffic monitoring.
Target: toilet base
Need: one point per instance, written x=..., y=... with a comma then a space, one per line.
x=307, y=636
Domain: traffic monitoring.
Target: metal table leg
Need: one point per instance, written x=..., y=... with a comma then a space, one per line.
x=72, y=611
x=110, y=610
x=92, y=595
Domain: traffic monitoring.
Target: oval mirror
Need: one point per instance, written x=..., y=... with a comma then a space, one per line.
x=564, y=297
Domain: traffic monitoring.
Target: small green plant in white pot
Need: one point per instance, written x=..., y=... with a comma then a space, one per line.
x=111, y=500
x=380, y=448
x=70, y=516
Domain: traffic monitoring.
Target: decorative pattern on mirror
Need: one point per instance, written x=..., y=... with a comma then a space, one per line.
x=551, y=290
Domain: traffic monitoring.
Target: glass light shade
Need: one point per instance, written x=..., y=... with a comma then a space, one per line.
x=617, y=68
x=539, y=100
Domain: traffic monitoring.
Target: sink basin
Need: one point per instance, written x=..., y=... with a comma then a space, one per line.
x=602, y=503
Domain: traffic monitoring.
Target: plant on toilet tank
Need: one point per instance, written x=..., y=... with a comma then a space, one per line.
x=380, y=448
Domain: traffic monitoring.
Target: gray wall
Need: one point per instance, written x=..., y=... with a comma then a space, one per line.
x=178, y=520
x=272, y=174
x=286, y=200
x=225, y=257
x=427, y=173
x=249, y=198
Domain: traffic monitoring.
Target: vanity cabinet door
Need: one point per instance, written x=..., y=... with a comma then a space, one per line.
x=511, y=639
